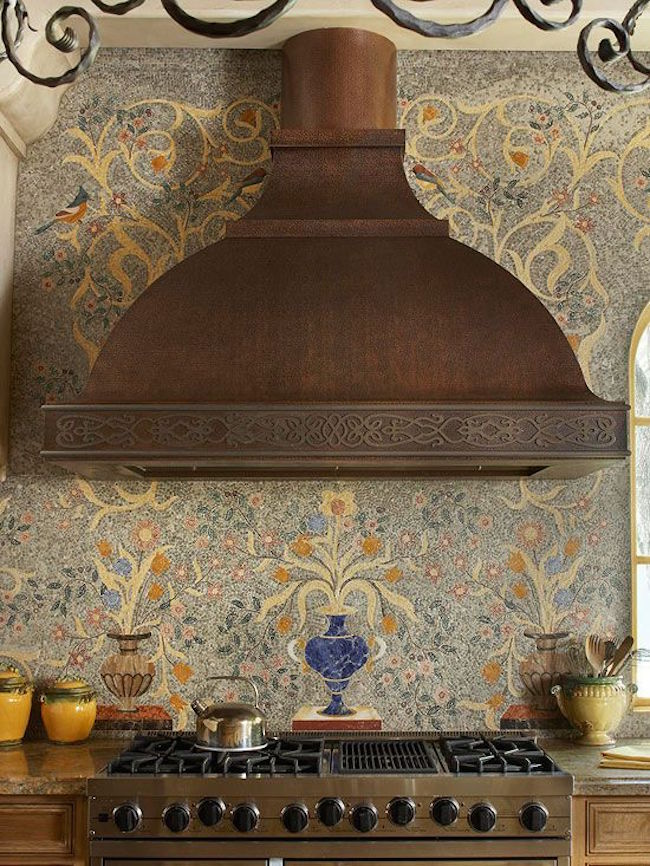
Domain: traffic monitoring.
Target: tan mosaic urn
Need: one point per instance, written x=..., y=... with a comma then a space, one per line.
x=128, y=674
x=595, y=706
x=544, y=667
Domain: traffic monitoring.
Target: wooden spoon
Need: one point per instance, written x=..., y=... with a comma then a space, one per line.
x=595, y=652
x=620, y=656
x=610, y=649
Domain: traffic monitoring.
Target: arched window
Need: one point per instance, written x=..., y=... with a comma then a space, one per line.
x=640, y=488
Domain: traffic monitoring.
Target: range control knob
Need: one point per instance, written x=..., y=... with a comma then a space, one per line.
x=482, y=817
x=127, y=817
x=295, y=817
x=364, y=818
x=401, y=811
x=245, y=817
x=176, y=817
x=210, y=811
x=444, y=811
x=330, y=811
x=534, y=817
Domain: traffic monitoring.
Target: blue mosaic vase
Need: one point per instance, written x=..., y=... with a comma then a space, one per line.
x=336, y=655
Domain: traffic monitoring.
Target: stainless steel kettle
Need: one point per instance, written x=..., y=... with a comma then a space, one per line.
x=230, y=727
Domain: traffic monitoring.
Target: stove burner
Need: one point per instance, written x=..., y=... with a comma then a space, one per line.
x=386, y=756
x=180, y=756
x=500, y=755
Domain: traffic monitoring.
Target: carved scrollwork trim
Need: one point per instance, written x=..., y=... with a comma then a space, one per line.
x=329, y=431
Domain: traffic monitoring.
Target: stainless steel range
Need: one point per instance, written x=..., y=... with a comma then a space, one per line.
x=448, y=801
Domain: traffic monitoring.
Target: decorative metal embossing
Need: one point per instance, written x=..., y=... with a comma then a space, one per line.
x=339, y=431
x=87, y=431
x=184, y=429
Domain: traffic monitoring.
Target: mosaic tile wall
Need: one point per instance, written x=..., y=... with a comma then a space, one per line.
x=441, y=579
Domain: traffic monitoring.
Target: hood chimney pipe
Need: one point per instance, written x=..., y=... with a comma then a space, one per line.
x=339, y=79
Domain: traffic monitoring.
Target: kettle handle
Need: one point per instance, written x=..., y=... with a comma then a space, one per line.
x=248, y=682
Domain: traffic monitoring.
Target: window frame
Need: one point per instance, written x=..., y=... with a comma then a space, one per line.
x=643, y=323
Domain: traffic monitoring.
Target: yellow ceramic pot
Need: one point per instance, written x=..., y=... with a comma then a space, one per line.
x=68, y=710
x=595, y=706
x=15, y=706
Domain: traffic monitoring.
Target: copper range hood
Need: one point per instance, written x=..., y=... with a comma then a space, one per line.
x=337, y=330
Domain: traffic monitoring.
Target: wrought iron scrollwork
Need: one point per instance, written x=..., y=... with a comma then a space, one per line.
x=20, y=15
x=611, y=50
x=595, y=63
x=217, y=29
x=543, y=23
x=118, y=8
x=426, y=27
x=433, y=28
x=60, y=36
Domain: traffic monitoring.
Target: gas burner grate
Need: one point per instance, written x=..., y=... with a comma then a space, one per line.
x=279, y=758
x=181, y=756
x=496, y=756
x=385, y=757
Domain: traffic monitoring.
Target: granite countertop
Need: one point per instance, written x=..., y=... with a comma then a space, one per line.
x=42, y=768
x=592, y=780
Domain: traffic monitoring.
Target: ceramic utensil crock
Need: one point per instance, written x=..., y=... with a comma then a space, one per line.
x=595, y=706
x=68, y=710
x=15, y=706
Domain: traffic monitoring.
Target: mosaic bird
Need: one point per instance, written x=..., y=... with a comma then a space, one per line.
x=70, y=214
x=423, y=173
x=249, y=183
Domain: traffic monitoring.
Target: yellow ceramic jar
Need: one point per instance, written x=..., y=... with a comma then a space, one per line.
x=68, y=710
x=595, y=706
x=15, y=706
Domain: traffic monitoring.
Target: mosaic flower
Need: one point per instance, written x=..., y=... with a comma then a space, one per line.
x=516, y=562
x=316, y=523
x=572, y=546
x=302, y=546
x=145, y=535
x=122, y=566
x=104, y=547
x=155, y=592
x=371, y=545
x=338, y=504
x=491, y=672
x=394, y=574
x=530, y=535
x=112, y=599
x=159, y=564
x=182, y=672
x=283, y=624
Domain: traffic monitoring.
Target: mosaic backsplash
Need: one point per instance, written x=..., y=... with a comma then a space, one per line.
x=438, y=580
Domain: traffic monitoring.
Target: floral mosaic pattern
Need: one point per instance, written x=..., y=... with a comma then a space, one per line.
x=442, y=578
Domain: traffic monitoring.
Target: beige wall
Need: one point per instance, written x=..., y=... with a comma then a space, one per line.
x=8, y=174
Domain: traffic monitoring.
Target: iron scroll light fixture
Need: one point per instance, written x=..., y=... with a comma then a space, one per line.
x=596, y=63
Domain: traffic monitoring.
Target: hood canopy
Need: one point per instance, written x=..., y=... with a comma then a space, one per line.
x=337, y=329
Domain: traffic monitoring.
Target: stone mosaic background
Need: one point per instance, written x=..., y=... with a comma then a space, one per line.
x=552, y=181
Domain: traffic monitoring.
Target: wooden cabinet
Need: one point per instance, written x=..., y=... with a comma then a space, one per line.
x=43, y=831
x=611, y=831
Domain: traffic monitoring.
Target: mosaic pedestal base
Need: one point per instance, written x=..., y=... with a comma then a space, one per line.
x=525, y=717
x=148, y=717
x=312, y=719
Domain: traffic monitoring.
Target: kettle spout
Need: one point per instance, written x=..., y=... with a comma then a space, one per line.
x=198, y=707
